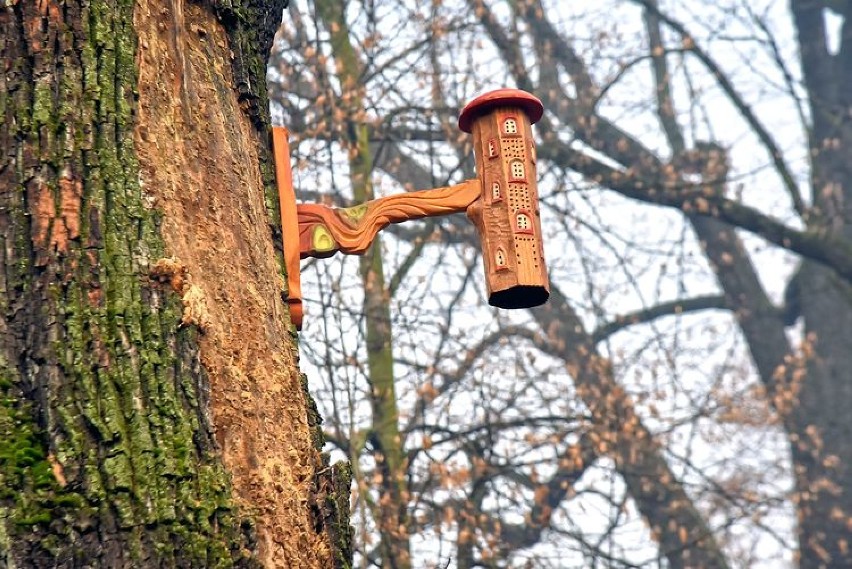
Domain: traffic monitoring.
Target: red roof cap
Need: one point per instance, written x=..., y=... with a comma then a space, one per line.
x=500, y=98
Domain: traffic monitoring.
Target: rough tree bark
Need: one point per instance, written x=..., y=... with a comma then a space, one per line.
x=152, y=412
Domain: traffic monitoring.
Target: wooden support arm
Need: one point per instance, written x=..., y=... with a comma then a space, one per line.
x=289, y=222
x=324, y=230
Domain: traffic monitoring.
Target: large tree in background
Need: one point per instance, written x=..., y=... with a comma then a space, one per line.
x=152, y=412
x=688, y=381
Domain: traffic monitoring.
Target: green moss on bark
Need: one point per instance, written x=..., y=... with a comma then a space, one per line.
x=27, y=483
x=107, y=456
x=338, y=505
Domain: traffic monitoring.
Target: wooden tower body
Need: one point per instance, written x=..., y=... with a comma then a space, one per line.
x=507, y=215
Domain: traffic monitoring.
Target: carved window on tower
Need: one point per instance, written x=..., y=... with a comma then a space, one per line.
x=496, y=193
x=517, y=172
x=510, y=126
x=523, y=222
x=492, y=148
x=532, y=152
x=500, y=262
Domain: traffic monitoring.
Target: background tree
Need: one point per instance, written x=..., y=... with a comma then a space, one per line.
x=685, y=387
x=152, y=411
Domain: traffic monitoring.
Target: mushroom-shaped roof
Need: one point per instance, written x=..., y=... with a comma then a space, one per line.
x=500, y=98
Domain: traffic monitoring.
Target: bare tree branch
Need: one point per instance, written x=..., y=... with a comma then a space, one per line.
x=620, y=433
x=663, y=79
x=739, y=103
x=675, y=307
x=816, y=244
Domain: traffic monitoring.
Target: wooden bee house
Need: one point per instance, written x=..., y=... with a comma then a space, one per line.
x=507, y=214
x=502, y=202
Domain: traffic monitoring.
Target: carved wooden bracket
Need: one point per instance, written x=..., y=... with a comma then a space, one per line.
x=325, y=230
x=502, y=202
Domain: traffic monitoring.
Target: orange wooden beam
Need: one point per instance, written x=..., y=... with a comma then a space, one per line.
x=289, y=222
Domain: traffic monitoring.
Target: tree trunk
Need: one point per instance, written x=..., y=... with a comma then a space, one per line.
x=152, y=412
x=391, y=513
x=823, y=444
